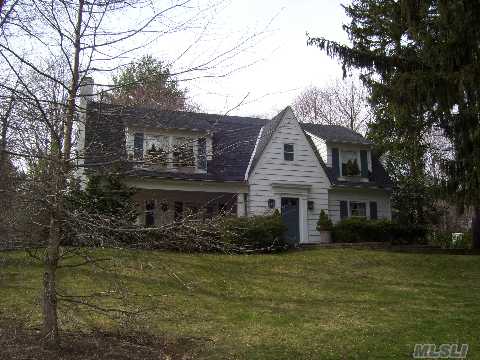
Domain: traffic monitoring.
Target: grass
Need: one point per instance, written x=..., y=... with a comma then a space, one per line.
x=316, y=304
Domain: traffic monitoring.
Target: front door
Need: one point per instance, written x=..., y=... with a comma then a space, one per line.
x=290, y=215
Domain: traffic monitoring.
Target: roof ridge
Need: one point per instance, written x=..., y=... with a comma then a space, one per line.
x=153, y=107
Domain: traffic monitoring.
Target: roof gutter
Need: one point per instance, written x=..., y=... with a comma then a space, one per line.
x=253, y=154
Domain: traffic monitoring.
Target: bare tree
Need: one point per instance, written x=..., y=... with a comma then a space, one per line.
x=344, y=102
x=56, y=46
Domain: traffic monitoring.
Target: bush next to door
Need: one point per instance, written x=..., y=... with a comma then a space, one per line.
x=324, y=223
x=257, y=232
x=364, y=230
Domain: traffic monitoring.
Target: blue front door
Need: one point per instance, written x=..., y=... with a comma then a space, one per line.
x=290, y=215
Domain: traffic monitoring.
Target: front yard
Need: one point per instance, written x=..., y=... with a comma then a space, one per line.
x=317, y=304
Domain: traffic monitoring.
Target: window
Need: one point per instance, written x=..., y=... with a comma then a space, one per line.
x=358, y=209
x=288, y=152
x=164, y=206
x=222, y=208
x=350, y=163
x=156, y=150
x=183, y=152
x=149, y=213
x=178, y=212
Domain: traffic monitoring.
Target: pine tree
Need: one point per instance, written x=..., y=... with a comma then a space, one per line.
x=420, y=58
x=149, y=82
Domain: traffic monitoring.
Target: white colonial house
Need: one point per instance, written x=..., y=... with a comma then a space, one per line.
x=203, y=164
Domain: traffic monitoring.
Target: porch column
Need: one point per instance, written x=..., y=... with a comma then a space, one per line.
x=303, y=215
x=241, y=205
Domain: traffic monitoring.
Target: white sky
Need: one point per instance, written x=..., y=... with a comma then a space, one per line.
x=283, y=64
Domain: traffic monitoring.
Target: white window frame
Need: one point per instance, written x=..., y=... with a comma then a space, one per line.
x=289, y=152
x=357, y=216
x=357, y=153
x=168, y=141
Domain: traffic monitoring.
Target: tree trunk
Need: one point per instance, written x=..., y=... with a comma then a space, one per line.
x=60, y=174
x=50, y=324
x=476, y=228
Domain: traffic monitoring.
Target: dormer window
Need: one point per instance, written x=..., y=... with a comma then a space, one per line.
x=288, y=153
x=165, y=150
x=183, y=155
x=350, y=166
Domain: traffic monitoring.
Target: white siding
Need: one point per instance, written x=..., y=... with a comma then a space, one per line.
x=304, y=170
x=321, y=146
x=382, y=198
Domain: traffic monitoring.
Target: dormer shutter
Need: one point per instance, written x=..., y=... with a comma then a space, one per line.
x=335, y=162
x=373, y=210
x=364, y=163
x=138, y=146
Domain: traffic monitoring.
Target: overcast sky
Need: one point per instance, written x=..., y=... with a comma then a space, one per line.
x=282, y=63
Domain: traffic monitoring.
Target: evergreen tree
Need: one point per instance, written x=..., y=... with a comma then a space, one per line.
x=148, y=82
x=420, y=61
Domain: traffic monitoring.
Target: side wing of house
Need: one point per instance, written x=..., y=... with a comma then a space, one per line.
x=369, y=203
x=360, y=185
x=285, y=174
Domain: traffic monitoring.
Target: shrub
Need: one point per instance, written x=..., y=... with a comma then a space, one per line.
x=324, y=223
x=365, y=230
x=257, y=232
x=445, y=241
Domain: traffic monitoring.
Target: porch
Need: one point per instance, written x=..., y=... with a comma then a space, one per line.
x=164, y=201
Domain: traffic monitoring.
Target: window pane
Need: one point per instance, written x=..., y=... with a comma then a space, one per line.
x=350, y=163
x=183, y=152
x=150, y=213
x=150, y=205
x=288, y=152
x=358, y=209
x=178, y=210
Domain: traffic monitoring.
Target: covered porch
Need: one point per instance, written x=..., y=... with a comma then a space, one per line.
x=165, y=201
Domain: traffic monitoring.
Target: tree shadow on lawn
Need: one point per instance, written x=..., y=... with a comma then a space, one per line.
x=19, y=342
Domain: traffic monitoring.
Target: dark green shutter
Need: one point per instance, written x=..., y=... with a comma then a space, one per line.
x=364, y=162
x=373, y=210
x=202, y=153
x=343, y=210
x=335, y=162
x=138, y=146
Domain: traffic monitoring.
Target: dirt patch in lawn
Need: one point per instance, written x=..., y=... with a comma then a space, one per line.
x=19, y=343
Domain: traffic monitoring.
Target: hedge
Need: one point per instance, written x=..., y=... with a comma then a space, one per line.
x=364, y=230
x=257, y=232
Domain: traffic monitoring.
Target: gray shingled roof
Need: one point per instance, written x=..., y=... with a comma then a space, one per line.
x=335, y=133
x=267, y=133
x=377, y=179
x=234, y=138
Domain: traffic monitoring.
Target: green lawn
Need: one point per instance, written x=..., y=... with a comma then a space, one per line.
x=317, y=304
